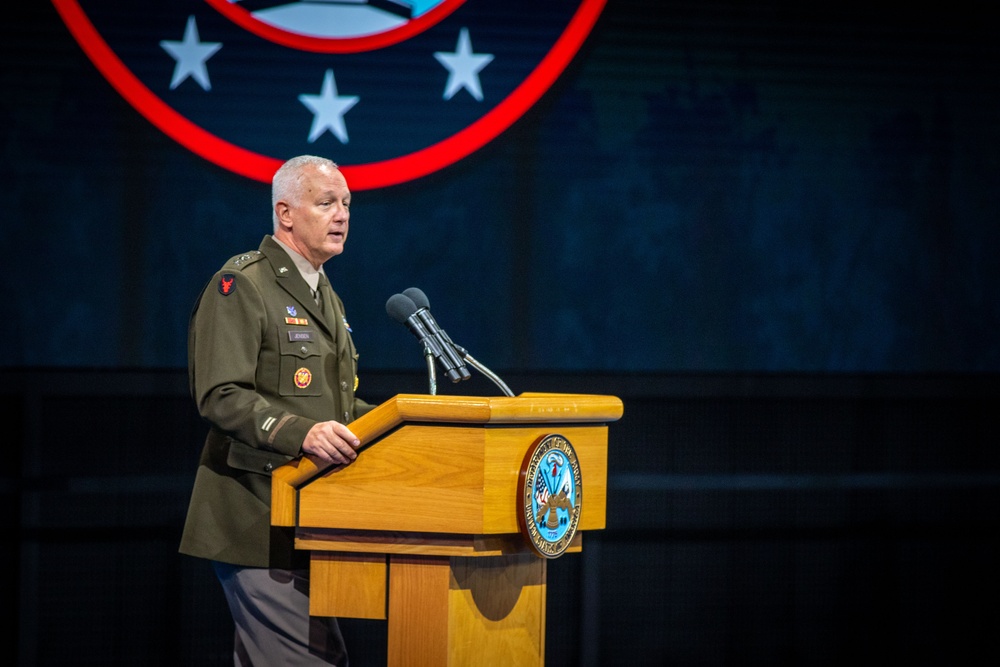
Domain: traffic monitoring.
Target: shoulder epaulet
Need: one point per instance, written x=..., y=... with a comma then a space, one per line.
x=247, y=258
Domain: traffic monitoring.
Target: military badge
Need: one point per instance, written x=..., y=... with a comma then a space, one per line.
x=303, y=378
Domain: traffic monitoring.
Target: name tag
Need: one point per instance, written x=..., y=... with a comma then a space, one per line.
x=296, y=335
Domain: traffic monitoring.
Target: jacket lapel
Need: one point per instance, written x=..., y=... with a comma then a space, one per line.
x=287, y=276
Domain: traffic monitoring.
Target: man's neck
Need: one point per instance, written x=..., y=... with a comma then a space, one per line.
x=305, y=267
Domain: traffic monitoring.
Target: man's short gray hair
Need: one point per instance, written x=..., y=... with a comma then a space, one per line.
x=285, y=182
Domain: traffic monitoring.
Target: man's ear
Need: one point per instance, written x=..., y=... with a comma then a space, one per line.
x=283, y=211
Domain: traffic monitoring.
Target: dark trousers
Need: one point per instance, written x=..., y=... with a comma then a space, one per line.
x=270, y=608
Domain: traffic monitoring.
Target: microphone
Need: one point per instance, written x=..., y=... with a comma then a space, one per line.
x=402, y=309
x=455, y=352
x=413, y=309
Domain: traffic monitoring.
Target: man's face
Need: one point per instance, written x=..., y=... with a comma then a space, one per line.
x=320, y=216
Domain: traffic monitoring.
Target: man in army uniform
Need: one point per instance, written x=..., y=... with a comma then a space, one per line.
x=273, y=369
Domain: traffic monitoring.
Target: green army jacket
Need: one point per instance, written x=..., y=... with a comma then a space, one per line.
x=265, y=364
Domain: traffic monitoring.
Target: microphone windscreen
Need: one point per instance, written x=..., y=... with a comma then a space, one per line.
x=400, y=307
x=418, y=297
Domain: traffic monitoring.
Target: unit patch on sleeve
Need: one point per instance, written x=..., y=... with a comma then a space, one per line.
x=227, y=284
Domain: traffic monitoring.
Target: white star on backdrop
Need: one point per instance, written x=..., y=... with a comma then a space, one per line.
x=463, y=67
x=329, y=108
x=191, y=55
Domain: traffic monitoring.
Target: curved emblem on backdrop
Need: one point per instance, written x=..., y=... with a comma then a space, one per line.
x=550, y=495
x=391, y=89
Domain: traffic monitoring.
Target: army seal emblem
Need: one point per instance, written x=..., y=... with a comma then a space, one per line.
x=550, y=495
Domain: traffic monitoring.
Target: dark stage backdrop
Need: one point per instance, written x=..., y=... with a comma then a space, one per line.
x=708, y=186
x=770, y=228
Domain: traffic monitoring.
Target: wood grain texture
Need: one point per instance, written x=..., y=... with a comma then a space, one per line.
x=497, y=611
x=418, y=611
x=537, y=408
x=348, y=585
x=461, y=612
x=447, y=479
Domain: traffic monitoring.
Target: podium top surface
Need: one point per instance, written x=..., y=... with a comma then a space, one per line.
x=528, y=407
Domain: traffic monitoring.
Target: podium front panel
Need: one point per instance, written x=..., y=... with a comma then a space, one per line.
x=447, y=479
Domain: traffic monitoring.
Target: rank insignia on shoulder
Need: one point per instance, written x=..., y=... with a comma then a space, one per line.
x=296, y=320
x=227, y=284
x=246, y=257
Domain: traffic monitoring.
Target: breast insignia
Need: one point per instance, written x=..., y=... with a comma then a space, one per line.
x=303, y=378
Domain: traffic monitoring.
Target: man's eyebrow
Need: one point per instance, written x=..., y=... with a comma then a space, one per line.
x=330, y=195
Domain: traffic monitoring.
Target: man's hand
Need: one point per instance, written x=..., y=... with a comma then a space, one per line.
x=331, y=442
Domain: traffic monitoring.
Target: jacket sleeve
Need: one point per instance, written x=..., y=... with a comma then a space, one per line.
x=226, y=333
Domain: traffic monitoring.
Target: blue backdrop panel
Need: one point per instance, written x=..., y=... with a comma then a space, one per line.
x=707, y=187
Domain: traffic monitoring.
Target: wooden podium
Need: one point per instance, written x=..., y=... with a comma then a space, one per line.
x=423, y=529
